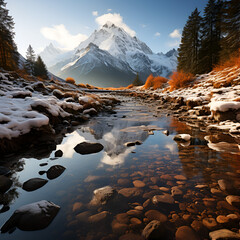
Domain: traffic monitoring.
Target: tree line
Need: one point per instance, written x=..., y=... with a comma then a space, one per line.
x=9, y=56
x=210, y=39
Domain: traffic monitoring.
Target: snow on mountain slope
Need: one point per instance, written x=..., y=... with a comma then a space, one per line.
x=111, y=49
x=51, y=55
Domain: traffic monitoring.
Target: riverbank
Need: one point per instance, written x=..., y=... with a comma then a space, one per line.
x=33, y=111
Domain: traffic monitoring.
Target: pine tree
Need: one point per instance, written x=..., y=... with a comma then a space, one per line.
x=211, y=35
x=137, y=81
x=40, y=68
x=188, y=52
x=8, y=50
x=30, y=59
x=230, y=43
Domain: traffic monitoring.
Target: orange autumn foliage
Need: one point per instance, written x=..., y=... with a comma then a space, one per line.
x=154, y=82
x=234, y=60
x=70, y=80
x=180, y=79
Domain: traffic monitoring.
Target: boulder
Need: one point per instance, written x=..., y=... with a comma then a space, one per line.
x=88, y=148
x=34, y=216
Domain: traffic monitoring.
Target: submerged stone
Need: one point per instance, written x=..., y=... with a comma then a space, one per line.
x=102, y=195
x=33, y=184
x=186, y=233
x=223, y=234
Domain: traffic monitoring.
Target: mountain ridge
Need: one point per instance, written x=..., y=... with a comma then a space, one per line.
x=110, y=49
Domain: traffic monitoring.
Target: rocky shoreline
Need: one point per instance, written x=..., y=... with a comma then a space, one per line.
x=37, y=112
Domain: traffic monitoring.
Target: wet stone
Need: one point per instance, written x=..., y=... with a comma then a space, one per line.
x=223, y=234
x=34, y=184
x=58, y=153
x=88, y=148
x=164, y=189
x=55, y=171
x=222, y=219
x=135, y=221
x=34, y=216
x=156, y=215
x=98, y=217
x=130, y=192
x=225, y=185
x=102, y=195
x=138, y=184
x=133, y=212
x=166, y=198
x=122, y=218
x=123, y=182
x=154, y=230
x=180, y=177
x=209, y=223
x=233, y=200
x=77, y=206
x=176, y=191
x=119, y=228
x=186, y=233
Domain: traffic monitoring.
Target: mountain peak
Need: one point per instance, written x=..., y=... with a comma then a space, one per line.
x=109, y=24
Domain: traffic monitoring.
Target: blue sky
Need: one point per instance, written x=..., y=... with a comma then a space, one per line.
x=67, y=22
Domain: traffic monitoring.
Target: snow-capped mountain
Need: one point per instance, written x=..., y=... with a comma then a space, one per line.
x=51, y=55
x=111, y=57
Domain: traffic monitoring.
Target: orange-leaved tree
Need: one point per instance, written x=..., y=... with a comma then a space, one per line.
x=155, y=82
x=70, y=80
x=180, y=79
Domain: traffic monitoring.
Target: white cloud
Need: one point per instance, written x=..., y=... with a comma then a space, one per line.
x=175, y=34
x=60, y=34
x=94, y=13
x=109, y=10
x=117, y=19
x=157, y=34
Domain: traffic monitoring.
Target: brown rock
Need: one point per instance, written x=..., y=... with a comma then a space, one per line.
x=98, y=217
x=180, y=177
x=138, y=184
x=146, y=203
x=118, y=228
x=186, y=233
x=225, y=185
x=135, y=221
x=134, y=212
x=156, y=215
x=154, y=230
x=77, y=206
x=197, y=225
x=130, y=192
x=166, y=198
x=233, y=200
x=209, y=223
x=222, y=219
x=122, y=218
x=176, y=191
x=166, y=177
x=123, y=182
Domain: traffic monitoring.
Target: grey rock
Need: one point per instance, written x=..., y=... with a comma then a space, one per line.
x=34, y=216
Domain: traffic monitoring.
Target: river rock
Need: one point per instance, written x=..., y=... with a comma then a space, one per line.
x=223, y=234
x=166, y=198
x=77, y=206
x=98, y=217
x=225, y=185
x=182, y=137
x=58, y=153
x=55, y=171
x=122, y=218
x=139, y=184
x=33, y=184
x=123, y=181
x=102, y=195
x=34, y=216
x=88, y=148
x=130, y=192
x=176, y=191
x=134, y=212
x=209, y=223
x=156, y=215
x=233, y=200
x=5, y=184
x=180, y=177
x=118, y=228
x=222, y=219
x=153, y=231
x=186, y=233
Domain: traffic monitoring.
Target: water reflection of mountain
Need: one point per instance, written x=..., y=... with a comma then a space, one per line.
x=107, y=131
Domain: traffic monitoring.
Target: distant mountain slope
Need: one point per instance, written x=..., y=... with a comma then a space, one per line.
x=111, y=57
